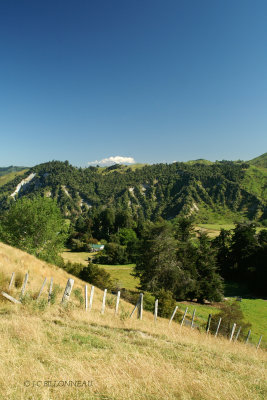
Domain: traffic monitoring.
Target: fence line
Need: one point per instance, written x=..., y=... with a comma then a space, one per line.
x=41, y=290
x=138, y=306
x=156, y=310
x=193, y=317
x=173, y=314
x=218, y=327
x=85, y=298
x=67, y=291
x=91, y=298
x=208, y=324
x=24, y=284
x=104, y=302
x=50, y=290
x=117, y=302
x=184, y=316
x=11, y=280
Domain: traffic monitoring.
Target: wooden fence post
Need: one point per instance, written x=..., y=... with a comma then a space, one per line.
x=50, y=290
x=104, y=302
x=41, y=290
x=259, y=342
x=24, y=285
x=10, y=298
x=173, y=314
x=238, y=332
x=85, y=298
x=11, y=280
x=67, y=291
x=156, y=310
x=248, y=335
x=136, y=306
x=193, y=317
x=117, y=302
x=233, y=331
x=91, y=298
x=218, y=326
x=184, y=316
x=208, y=323
x=140, y=307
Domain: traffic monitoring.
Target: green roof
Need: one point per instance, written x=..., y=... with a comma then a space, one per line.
x=96, y=246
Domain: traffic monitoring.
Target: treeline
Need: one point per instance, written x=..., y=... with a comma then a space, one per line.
x=241, y=256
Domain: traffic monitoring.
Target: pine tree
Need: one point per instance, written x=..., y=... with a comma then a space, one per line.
x=209, y=282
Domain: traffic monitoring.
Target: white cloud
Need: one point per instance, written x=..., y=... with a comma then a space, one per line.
x=113, y=160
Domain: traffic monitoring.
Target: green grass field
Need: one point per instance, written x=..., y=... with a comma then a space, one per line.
x=9, y=177
x=213, y=230
x=123, y=274
x=255, y=312
x=76, y=257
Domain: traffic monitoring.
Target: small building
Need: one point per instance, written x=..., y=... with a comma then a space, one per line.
x=97, y=247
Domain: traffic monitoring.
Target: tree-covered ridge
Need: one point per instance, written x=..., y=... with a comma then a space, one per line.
x=209, y=191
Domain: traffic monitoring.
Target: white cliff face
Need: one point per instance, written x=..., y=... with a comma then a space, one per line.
x=83, y=202
x=65, y=190
x=144, y=188
x=22, y=183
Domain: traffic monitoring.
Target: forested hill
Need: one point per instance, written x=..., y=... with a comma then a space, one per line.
x=212, y=191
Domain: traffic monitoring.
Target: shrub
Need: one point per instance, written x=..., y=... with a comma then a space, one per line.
x=96, y=276
x=166, y=303
x=78, y=295
x=114, y=254
x=110, y=300
x=54, y=294
x=230, y=313
x=73, y=268
x=19, y=278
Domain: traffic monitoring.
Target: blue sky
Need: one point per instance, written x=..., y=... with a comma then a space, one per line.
x=155, y=80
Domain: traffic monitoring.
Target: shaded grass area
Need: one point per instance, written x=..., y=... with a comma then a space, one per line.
x=76, y=257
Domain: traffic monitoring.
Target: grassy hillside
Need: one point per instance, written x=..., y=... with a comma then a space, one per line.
x=9, y=176
x=11, y=168
x=260, y=161
x=255, y=181
x=44, y=348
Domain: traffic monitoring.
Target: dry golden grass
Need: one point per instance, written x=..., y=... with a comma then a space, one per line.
x=124, y=358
